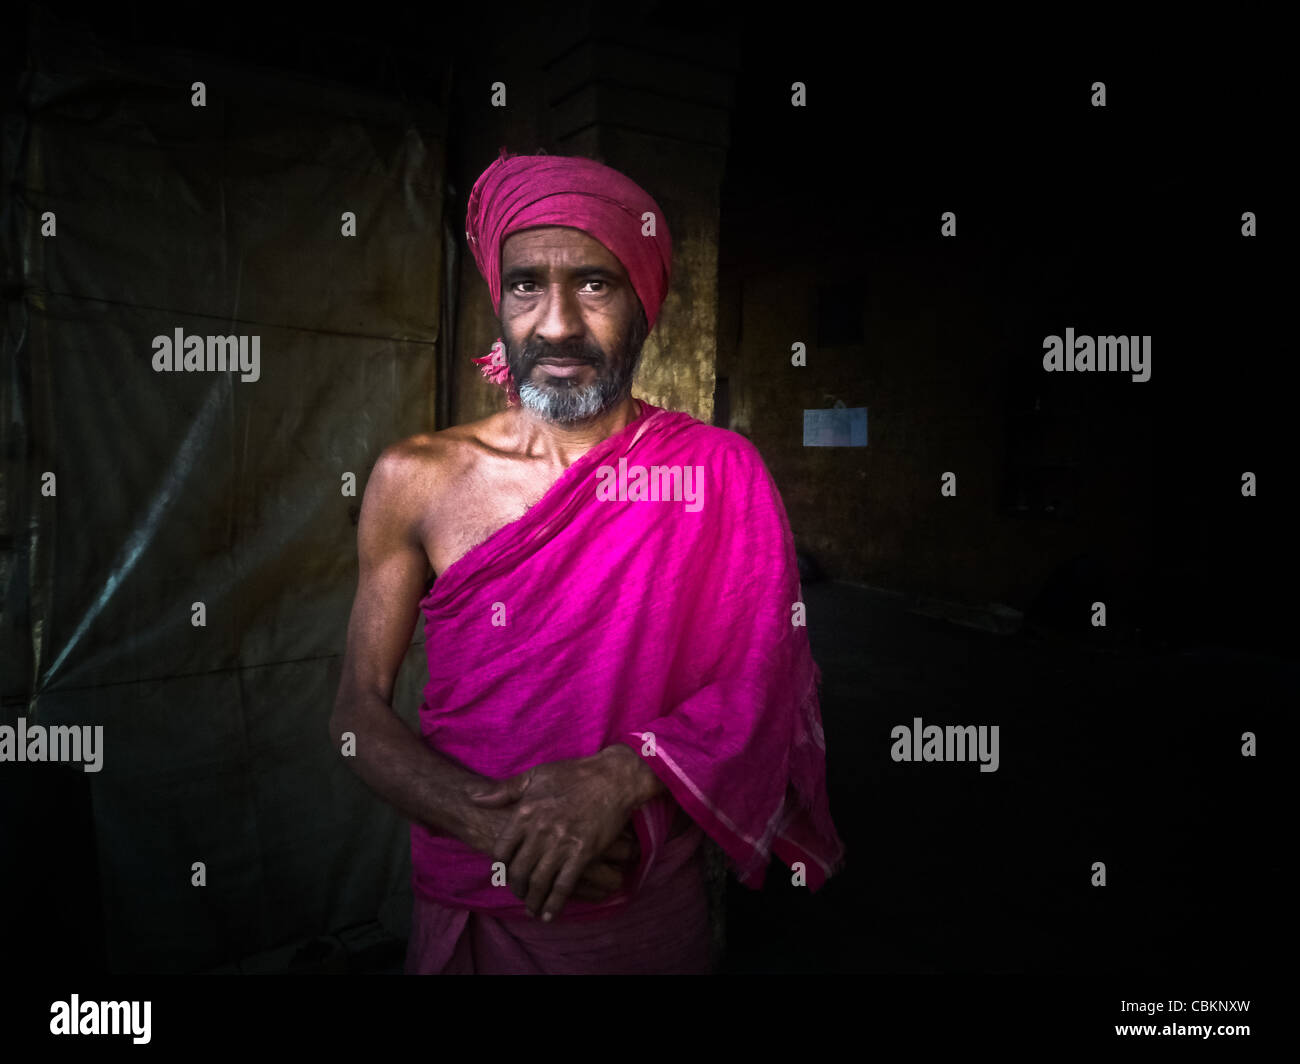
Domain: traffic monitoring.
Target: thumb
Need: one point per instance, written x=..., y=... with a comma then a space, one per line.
x=494, y=793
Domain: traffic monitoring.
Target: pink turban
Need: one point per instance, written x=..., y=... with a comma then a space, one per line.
x=526, y=191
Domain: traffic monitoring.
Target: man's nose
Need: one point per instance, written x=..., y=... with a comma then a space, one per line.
x=561, y=317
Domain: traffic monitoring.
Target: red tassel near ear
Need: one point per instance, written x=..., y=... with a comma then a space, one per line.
x=493, y=366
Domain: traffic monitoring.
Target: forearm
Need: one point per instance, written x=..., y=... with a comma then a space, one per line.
x=398, y=767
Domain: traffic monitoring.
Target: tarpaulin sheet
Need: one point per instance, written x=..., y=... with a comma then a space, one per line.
x=176, y=488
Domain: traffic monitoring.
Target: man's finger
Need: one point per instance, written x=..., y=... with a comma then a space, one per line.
x=493, y=794
x=602, y=876
x=543, y=875
x=619, y=850
x=582, y=892
x=508, y=842
x=563, y=887
x=494, y=799
x=520, y=871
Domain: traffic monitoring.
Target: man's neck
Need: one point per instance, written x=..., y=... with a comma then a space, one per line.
x=563, y=444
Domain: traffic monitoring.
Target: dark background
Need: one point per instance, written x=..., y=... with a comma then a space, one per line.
x=1119, y=744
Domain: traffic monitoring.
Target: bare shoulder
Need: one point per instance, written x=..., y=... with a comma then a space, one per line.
x=417, y=473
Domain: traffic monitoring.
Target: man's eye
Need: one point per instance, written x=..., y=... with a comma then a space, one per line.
x=519, y=289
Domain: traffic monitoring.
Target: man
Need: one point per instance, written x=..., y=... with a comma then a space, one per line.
x=614, y=667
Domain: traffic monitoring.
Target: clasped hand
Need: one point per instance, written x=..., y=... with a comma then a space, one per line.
x=563, y=830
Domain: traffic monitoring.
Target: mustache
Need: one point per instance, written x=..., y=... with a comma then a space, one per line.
x=584, y=350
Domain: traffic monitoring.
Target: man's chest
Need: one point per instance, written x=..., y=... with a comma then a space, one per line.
x=470, y=510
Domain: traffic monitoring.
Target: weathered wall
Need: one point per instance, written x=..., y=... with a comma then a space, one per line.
x=950, y=384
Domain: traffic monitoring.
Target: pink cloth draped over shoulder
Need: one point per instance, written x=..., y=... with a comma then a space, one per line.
x=665, y=625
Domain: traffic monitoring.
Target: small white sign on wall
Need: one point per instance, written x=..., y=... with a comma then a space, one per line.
x=837, y=427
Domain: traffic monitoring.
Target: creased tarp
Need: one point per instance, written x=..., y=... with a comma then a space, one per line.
x=179, y=488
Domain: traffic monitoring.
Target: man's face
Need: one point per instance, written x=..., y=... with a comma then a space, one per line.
x=571, y=321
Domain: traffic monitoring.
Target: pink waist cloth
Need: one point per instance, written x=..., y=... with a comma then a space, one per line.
x=662, y=930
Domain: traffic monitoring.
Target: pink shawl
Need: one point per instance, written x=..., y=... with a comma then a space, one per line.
x=623, y=618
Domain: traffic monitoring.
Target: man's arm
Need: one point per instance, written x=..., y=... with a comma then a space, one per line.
x=390, y=758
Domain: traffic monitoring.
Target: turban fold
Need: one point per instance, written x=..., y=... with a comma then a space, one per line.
x=527, y=191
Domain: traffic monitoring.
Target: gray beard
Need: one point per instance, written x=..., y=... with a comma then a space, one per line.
x=567, y=405
x=563, y=403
